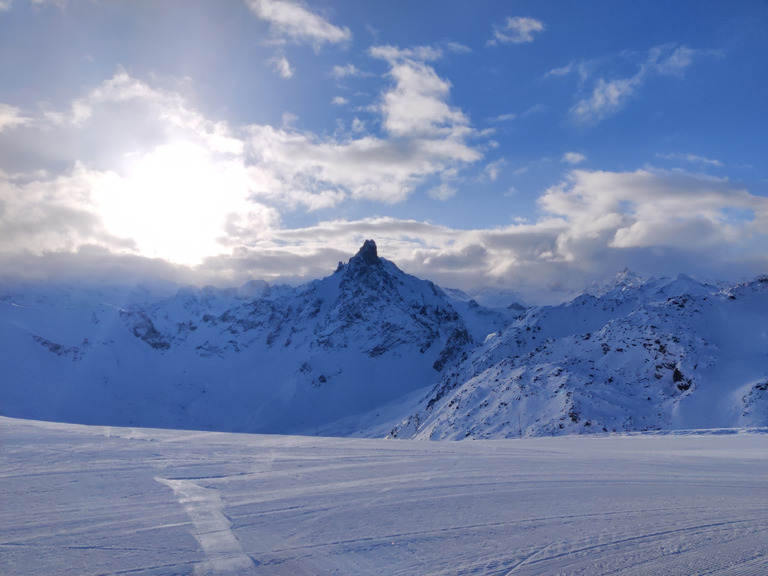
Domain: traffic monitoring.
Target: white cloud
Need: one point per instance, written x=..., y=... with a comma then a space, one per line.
x=282, y=66
x=493, y=169
x=416, y=105
x=393, y=53
x=339, y=101
x=107, y=127
x=611, y=96
x=147, y=175
x=130, y=169
x=574, y=158
x=562, y=71
x=646, y=209
x=301, y=169
x=293, y=21
x=607, y=99
x=281, y=166
x=517, y=30
x=10, y=116
x=442, y=192
x=591, y=223
x=340, y=72
x=692, y=158
x=358, y=125
x=458, y=48
x=144, y=173
x=288, y=120
x=289, y=168
x=534, y=164
x=674, y=64
x=53, y=214
x=503, y=118
x=535, y=109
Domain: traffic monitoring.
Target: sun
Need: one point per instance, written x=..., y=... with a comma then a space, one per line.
x=173, y=202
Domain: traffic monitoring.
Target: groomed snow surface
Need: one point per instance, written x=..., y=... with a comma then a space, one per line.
x=97, y=500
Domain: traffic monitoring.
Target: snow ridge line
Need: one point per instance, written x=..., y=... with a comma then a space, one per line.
x=213, y=530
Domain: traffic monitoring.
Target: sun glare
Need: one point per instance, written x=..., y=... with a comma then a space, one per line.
x=173, y=202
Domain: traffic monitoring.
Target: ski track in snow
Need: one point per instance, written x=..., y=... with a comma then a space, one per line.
x=78, y=500
x=212, y=528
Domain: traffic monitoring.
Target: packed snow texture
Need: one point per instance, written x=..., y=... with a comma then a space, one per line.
x=86, y=501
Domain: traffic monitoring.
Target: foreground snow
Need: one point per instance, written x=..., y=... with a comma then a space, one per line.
x=98, y=500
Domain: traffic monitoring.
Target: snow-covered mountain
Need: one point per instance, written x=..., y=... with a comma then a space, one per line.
x=370, y=349
x=260, y=358
x=632, y=355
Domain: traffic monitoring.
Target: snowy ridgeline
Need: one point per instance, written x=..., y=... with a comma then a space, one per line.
x=373, y=351
x=653, y=355
x=87, y=501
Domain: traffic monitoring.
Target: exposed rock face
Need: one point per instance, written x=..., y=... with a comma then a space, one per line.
x=368, y=253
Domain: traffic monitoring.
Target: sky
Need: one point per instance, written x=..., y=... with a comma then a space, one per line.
x=533, y=146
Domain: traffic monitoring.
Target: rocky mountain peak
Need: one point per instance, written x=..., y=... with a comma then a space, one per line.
x=368, y=253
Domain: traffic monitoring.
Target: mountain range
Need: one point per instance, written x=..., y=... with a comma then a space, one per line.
x=371, y=350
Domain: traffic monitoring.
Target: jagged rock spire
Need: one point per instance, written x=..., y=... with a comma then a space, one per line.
x=367, y=256
x=368, y=253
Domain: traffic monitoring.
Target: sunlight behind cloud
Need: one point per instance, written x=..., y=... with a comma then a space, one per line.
x=268, y=138
x=174, y=202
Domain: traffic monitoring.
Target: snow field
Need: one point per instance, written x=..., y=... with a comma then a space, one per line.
x=99, y=500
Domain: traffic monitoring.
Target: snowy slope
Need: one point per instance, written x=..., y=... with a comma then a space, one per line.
x=261, y=358
x=641, y=355
x=88, y=501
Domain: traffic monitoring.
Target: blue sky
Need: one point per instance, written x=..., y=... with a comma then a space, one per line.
x=532, y=146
